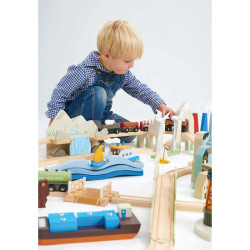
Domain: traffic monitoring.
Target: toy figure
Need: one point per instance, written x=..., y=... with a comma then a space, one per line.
x=43, y=192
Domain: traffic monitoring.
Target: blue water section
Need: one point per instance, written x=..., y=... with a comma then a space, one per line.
x=111, y=160
x=113, y=166
x=106, y=176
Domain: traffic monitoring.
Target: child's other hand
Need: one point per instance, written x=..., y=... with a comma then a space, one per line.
x=51, y=120
x=165, y=110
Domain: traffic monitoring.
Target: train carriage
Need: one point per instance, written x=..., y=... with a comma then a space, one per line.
x=58, y=180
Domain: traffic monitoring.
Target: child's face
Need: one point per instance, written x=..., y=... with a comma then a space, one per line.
x=121, y=65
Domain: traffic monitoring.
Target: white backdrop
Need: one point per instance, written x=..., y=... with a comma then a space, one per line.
x=177, y=56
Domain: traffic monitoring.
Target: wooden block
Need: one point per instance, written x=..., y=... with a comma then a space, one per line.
x=190, y=206
x=133, y=200
x=45, y=141
x=60, y=142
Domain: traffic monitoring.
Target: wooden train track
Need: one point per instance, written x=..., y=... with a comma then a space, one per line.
x=188, y=206
x=51, y=140
x=162, y=228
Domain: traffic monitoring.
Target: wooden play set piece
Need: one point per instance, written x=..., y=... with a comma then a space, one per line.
x=199, y=137
x=78, y=193
x=185, y=137
x=200, y=191
x=163, y=213
x=57, y=160
x=183, y=114
x=61, y=228
x=163, y=202
x=43, y=192
x=163, y=209
x=62, y=142
x=203, y=227
x=122, y=161
x=188, y=206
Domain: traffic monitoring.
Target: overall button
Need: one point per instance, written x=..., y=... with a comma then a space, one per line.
x=98, y=71
x=106, y=83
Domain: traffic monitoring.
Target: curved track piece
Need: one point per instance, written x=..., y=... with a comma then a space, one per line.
x=163, y=210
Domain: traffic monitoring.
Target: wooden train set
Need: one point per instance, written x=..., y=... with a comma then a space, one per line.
x=162, y=220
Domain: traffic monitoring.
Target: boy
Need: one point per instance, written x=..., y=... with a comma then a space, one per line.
x=88, y=88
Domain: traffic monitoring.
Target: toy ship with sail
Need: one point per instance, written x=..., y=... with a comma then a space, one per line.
x=122, y=161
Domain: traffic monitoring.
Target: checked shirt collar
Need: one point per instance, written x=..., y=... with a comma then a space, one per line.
x=92, y=61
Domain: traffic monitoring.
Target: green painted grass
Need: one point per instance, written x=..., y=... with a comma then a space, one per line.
x=170, y=153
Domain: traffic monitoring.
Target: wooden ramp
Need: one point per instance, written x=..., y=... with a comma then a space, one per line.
x=163, y=213
x=162, y=228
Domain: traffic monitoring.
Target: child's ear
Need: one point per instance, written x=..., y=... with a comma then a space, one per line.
x=106, y=54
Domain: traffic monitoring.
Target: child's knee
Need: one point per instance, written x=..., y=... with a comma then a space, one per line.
x=100, y=94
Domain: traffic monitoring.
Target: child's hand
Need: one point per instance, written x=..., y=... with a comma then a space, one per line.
x=165, y=110
x=51, y=120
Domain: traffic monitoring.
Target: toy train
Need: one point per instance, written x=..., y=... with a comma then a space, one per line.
x=57, y=180
x=126, y=127
x=169, y=125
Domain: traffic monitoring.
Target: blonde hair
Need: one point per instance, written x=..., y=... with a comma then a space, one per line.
x=120, y=39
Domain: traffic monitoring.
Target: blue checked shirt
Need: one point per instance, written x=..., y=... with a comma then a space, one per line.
x=82, y=76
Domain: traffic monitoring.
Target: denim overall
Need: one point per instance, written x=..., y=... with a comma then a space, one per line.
x=95, y=103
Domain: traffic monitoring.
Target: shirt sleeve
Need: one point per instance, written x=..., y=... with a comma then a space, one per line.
x=72, y=81
x=141, y=91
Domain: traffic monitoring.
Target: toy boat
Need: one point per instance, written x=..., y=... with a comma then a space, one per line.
x=98, y=168
x=124, y=151
x=101, y=226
